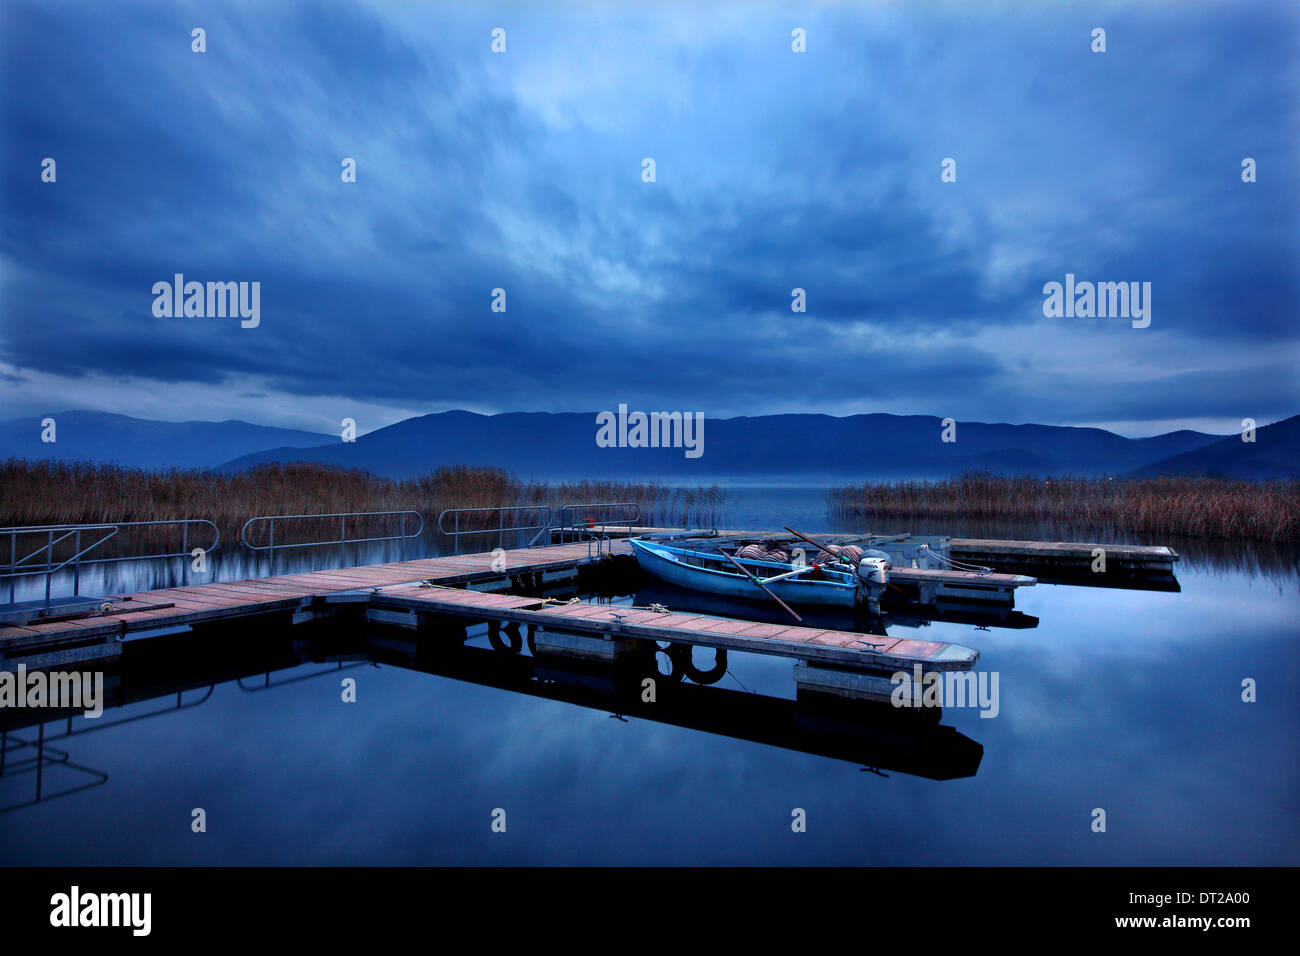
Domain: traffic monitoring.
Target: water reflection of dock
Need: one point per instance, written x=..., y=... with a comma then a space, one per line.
x=869, y=734
x=164, y=677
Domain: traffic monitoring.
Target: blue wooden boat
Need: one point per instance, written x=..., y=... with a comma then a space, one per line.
x=720, y=569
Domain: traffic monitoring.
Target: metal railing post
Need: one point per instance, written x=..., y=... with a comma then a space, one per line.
x=342, y=541
x=49, y=554
x=41, y=560
x=40, y=757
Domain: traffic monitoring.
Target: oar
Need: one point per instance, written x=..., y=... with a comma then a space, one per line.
x=886, y=538
x=745, y=572
x=790, y=574
x=815, y=543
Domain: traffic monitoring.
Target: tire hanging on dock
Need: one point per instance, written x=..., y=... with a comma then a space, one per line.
x=511, y=643
x=678, y=661
x=713, y=674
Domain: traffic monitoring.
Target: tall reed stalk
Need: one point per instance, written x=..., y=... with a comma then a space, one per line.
x=48, y=492
x=1196, y=507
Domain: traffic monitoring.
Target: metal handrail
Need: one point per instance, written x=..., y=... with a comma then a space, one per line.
x=589, y=526
x=546, y=518
x=342, y=540
x=633, y=517
x=455, y=532
x=69, y=530
x=267, y=685
x=18, y=567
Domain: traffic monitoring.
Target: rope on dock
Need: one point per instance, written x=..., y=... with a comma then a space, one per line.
x=656, y=608
x=955, y=565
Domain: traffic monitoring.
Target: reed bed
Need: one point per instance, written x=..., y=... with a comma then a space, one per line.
x=660, y=505
x=49, y=492
x=1186, y=506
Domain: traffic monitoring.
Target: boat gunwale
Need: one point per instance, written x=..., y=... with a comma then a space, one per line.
x=654, y=548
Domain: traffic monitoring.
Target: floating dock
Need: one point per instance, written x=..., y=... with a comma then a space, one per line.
x=613, y=624
x=406, y=592
x=55, y=642
x=1057, y=553
x=402, y=593
x=1040, y=558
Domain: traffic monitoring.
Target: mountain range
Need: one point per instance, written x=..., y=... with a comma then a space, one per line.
x=551, y=446
x=1274, y=453
x=143, y=443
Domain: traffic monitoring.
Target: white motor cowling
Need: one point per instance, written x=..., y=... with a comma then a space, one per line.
x=873, y=567
x=873, y=578
x=874, y=571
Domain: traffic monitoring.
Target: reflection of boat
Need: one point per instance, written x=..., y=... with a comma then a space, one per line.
x=897, y=610
x=842, y=577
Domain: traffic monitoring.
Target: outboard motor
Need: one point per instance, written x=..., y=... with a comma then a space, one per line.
x=873, y=578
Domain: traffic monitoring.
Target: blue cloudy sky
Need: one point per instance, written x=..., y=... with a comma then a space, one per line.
x=775, y=170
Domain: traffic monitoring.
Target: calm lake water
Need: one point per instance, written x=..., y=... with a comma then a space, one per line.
x=1129, y=701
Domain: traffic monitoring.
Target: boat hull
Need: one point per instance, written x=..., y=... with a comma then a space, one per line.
x=668, y=564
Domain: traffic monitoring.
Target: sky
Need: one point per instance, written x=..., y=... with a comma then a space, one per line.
x=775, y=170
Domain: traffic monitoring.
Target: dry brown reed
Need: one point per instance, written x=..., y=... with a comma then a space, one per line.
x=50, y=492
x=1190, y=506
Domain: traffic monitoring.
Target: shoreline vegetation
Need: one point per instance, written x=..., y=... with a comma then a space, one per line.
x=52, y=492
x=1192, y=507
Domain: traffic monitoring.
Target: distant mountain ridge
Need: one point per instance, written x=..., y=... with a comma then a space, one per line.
x=542, y=445
x=1275, y=453
x=550, y=446
x=144, y=443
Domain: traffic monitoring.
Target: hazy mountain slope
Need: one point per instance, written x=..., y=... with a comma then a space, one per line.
x=104, y=437
x=541, y=445
x=1275, y=453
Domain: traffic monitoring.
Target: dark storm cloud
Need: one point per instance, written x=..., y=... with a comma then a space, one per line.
x=775, y=171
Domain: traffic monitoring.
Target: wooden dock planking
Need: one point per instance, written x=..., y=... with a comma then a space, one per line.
x=1073, y=549
x=398, y=585
x=842, y=648
x=226, y=600
x=963, y=578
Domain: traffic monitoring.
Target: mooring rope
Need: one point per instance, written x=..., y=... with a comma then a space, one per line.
x=737, y=680
x=956, y=565
x=656, y=608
